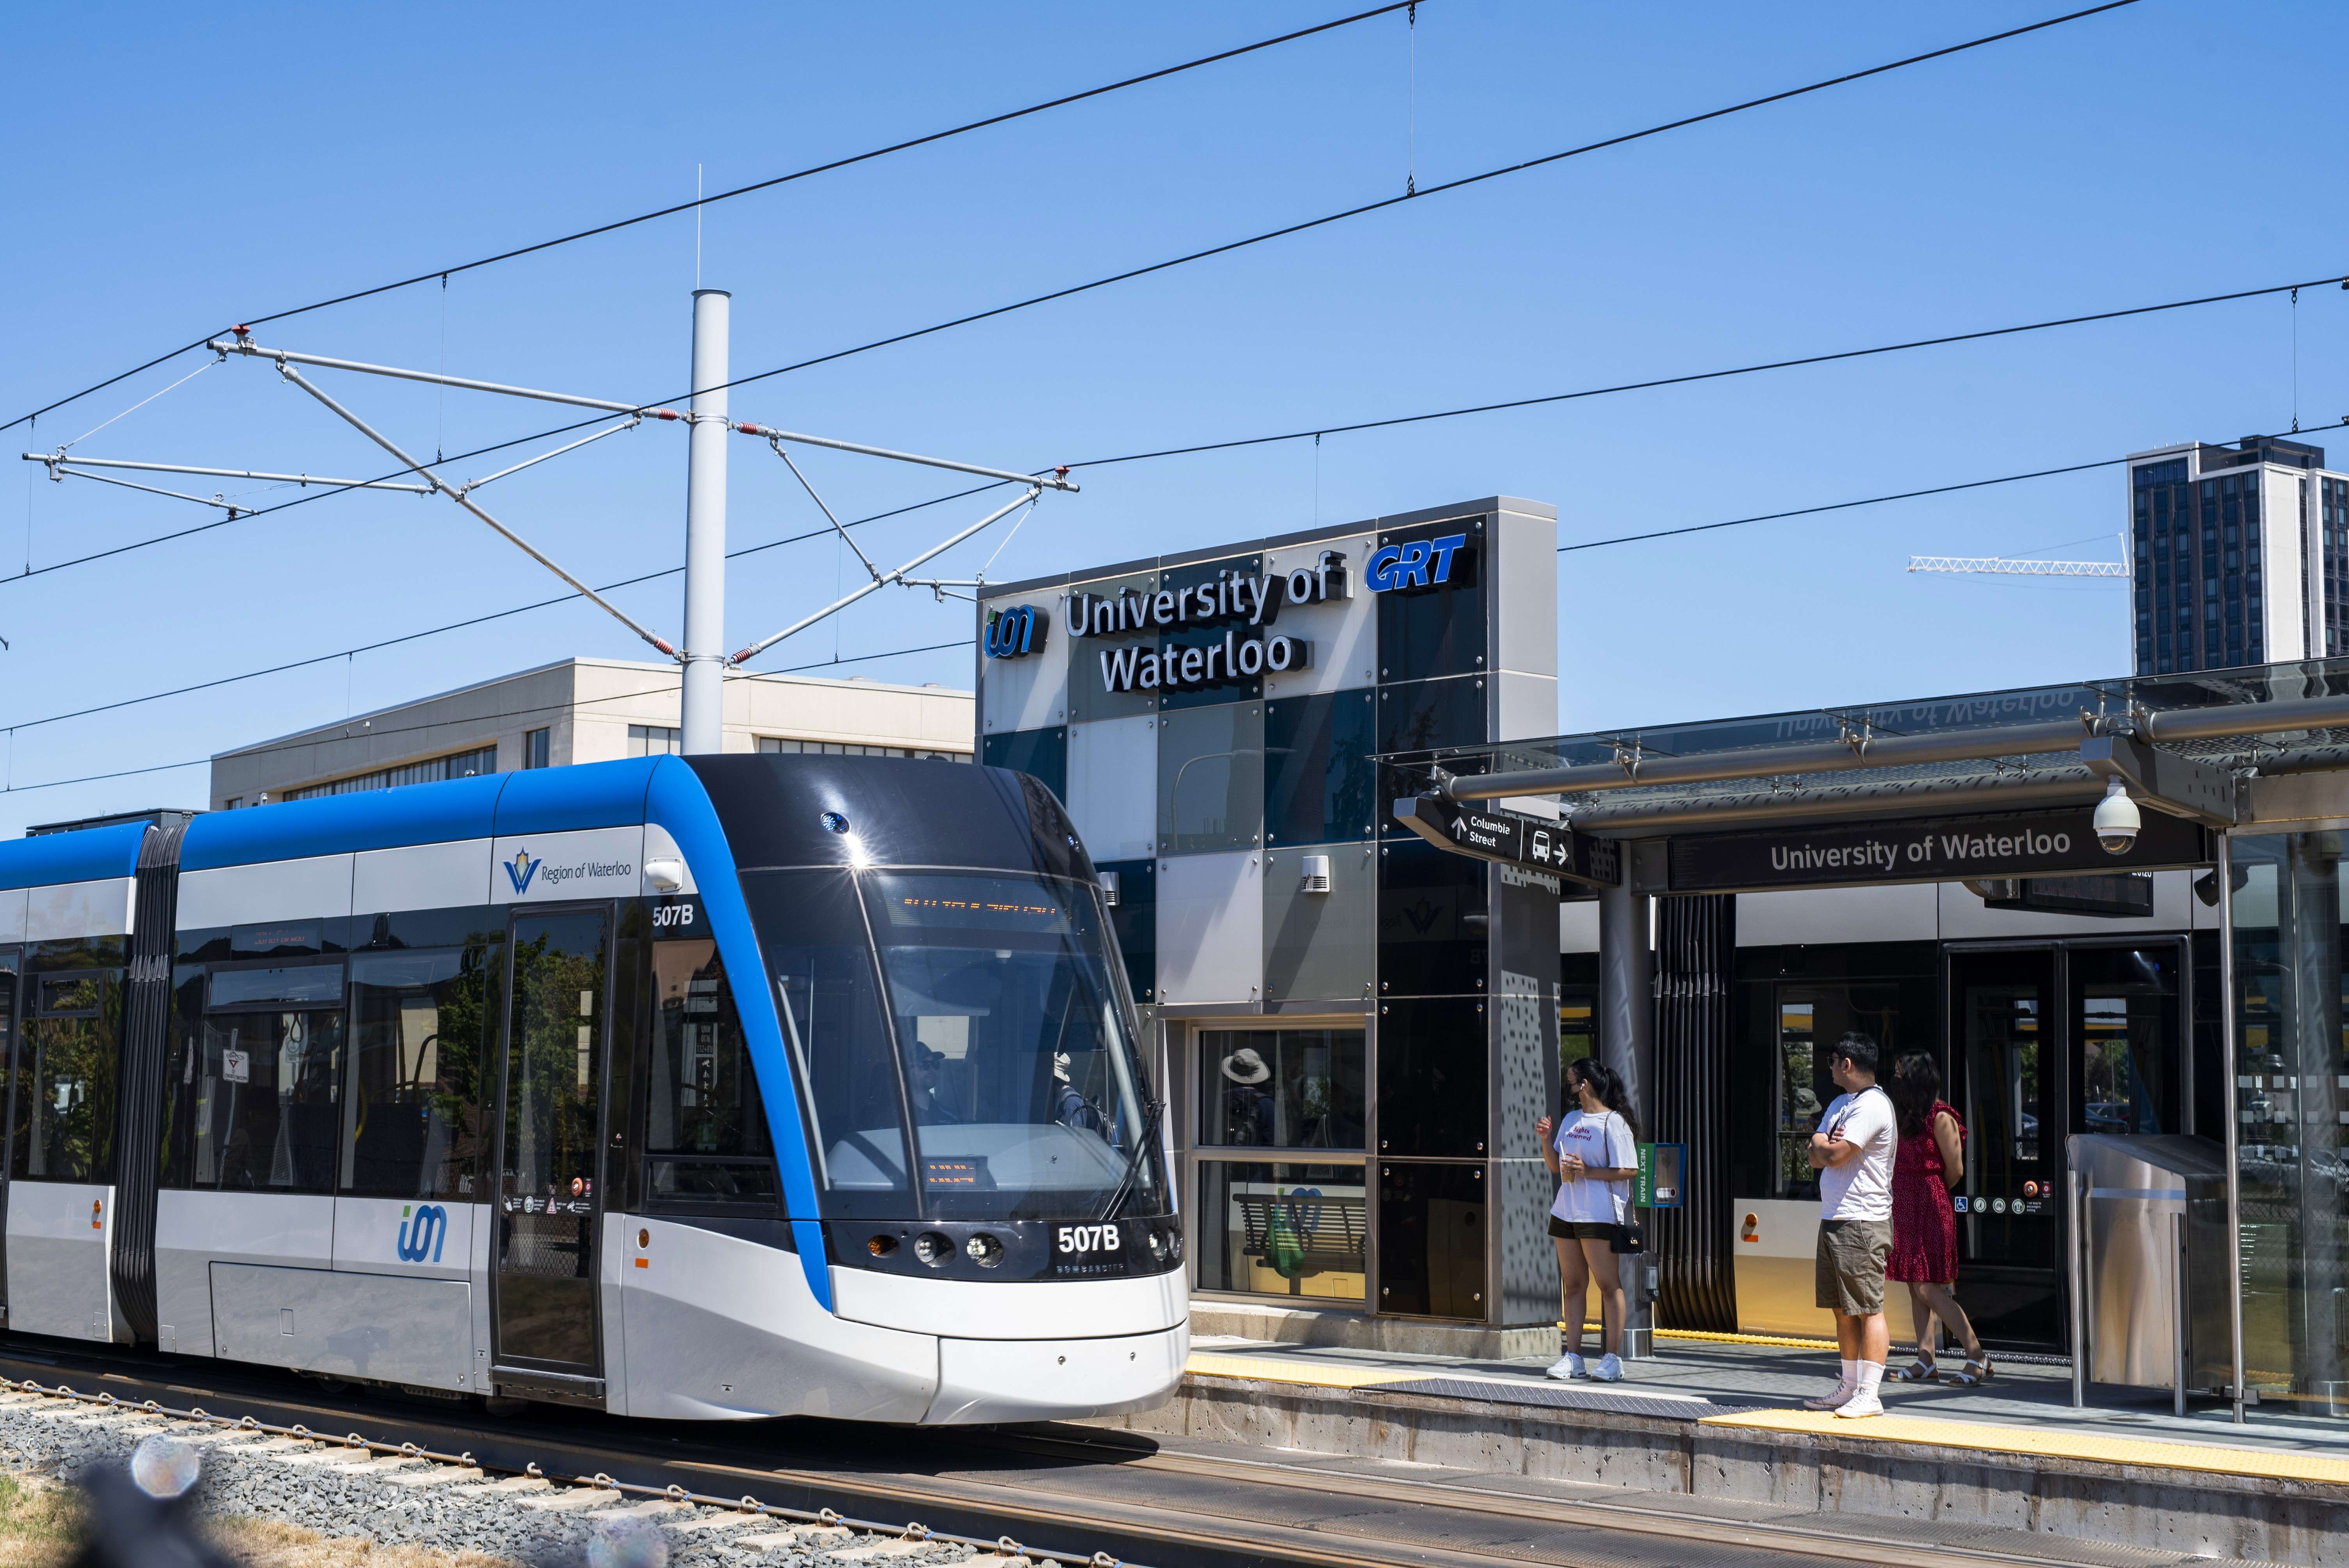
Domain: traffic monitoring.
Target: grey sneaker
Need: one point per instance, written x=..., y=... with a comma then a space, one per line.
x=1608, y=1370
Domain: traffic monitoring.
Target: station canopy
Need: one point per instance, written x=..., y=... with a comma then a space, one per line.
x=2189, y=745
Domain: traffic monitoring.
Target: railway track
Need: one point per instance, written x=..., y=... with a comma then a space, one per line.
x=1072, y=1494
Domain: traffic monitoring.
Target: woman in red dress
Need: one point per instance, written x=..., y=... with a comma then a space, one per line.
x=1924, y=1224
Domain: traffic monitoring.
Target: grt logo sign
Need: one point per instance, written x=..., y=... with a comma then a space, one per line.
x=1420, y=564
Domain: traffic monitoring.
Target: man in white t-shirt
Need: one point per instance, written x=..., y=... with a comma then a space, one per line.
x=1853, y=1152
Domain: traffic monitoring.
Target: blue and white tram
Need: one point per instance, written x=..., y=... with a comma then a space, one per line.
x=733, y=1087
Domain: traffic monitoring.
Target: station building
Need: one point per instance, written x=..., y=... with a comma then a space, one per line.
x=1357, y=1029
x=585, y=710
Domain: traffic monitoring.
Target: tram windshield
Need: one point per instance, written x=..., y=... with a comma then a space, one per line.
x=987, y=1071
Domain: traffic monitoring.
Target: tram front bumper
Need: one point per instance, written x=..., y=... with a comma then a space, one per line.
x=985, y=1381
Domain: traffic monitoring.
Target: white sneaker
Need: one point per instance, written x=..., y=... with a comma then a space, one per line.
x=1861, y=1405
x=1608, y=1370
x=1836, y=1401
x=1566, y=1366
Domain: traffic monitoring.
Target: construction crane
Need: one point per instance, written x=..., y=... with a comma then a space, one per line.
x=2009, y=566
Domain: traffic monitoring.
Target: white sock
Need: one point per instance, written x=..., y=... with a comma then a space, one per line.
x=1871, y=1377
x=1850, y=1375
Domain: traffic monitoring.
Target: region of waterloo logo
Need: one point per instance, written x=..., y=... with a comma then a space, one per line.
x=520, y=870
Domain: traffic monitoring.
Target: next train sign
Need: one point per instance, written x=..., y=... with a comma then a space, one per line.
x=1957, y=849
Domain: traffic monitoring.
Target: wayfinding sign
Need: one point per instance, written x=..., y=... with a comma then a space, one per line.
x=1512, y=838
x=2011, y=844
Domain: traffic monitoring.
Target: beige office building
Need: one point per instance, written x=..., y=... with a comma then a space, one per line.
x=587, y=710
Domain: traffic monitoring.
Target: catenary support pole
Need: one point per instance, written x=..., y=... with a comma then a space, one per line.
x=705, y=530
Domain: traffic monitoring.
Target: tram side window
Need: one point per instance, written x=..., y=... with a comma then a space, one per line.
x=65, y=1097
x=411, y=1123
x=706, y=1134
x=259, y=1097
x=812, y=932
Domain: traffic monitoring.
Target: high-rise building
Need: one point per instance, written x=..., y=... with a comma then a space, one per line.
x=2239, y=555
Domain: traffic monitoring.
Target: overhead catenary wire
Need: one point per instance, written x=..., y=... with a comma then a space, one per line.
x=444, y=273
x=469, y=621
x=1866, y=501
x=1443, y=187
x=1316, y=432
x=1222, y=250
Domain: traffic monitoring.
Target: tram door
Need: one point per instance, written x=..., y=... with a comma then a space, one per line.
x=549, y=1201
x=2047, y=1041
x=9, y=963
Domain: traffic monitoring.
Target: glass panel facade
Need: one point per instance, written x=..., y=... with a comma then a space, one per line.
x=1431, y=1225
x=1319, y=780
x=1432, y=1076
x=1211, y=778
x=1430, y=630
x=1042, y=753
x=1282, y=1230
x=1281, y=1088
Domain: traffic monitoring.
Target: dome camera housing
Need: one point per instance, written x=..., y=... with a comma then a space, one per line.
x=2116, y=819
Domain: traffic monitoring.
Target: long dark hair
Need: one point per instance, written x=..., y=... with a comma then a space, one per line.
x=1608, y=1086
x=1916, y=1086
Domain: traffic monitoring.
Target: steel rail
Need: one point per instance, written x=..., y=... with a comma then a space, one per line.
x=1184, y=1531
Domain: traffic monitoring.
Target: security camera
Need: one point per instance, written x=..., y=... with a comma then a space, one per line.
x=2116, y=819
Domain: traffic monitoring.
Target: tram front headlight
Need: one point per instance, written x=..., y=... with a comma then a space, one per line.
x=933, y=1248
x=984, y=1250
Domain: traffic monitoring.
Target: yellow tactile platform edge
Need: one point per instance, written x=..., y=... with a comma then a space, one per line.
x=1702, y=1337
x=1205, y=1364
x=2047, y=1443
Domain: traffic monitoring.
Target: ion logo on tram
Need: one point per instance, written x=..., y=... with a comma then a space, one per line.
x=422, y=1236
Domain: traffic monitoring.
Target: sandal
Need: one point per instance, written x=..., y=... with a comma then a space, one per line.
x=1921, y=1370
x=1976, y=1373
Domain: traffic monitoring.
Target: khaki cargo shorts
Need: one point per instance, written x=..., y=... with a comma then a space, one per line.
x=1852, y=1257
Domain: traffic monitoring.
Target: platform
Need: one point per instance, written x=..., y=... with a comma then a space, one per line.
x=1721, y=1417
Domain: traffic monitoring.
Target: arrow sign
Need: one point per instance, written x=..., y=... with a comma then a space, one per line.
x=1511, y=837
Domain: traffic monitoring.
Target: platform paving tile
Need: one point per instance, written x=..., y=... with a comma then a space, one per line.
x=1758, y=1377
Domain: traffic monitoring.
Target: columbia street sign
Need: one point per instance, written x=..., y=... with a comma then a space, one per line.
x=1512, y=838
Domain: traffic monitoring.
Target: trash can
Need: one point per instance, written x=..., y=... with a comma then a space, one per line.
x=2148, y=1264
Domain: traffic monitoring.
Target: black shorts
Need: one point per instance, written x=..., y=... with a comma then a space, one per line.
x=1584, y=1230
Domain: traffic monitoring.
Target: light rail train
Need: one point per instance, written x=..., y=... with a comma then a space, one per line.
x=728, y=1087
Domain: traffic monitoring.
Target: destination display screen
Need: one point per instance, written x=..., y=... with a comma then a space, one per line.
x=1021, y=906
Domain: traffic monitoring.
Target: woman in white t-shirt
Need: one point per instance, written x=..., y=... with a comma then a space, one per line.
x=1593, y=1151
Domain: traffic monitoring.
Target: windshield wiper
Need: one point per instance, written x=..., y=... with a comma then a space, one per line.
x=1142, y=1147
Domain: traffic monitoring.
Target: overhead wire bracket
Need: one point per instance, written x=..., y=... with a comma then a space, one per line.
x=459, y=496
x=1035, y=490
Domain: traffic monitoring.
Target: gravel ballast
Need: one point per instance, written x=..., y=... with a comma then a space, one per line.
x=341, y=1491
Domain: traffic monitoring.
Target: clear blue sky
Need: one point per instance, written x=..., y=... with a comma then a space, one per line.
x=176, y=169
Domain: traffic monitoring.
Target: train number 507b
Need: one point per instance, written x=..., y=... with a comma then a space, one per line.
x=1088, y=1239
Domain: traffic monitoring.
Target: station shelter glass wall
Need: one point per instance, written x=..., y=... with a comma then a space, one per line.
x=2291, y=1089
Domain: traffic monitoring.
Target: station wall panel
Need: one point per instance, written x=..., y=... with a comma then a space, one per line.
x=1320, y=946
x=1112, y=793
x=1210, y=929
